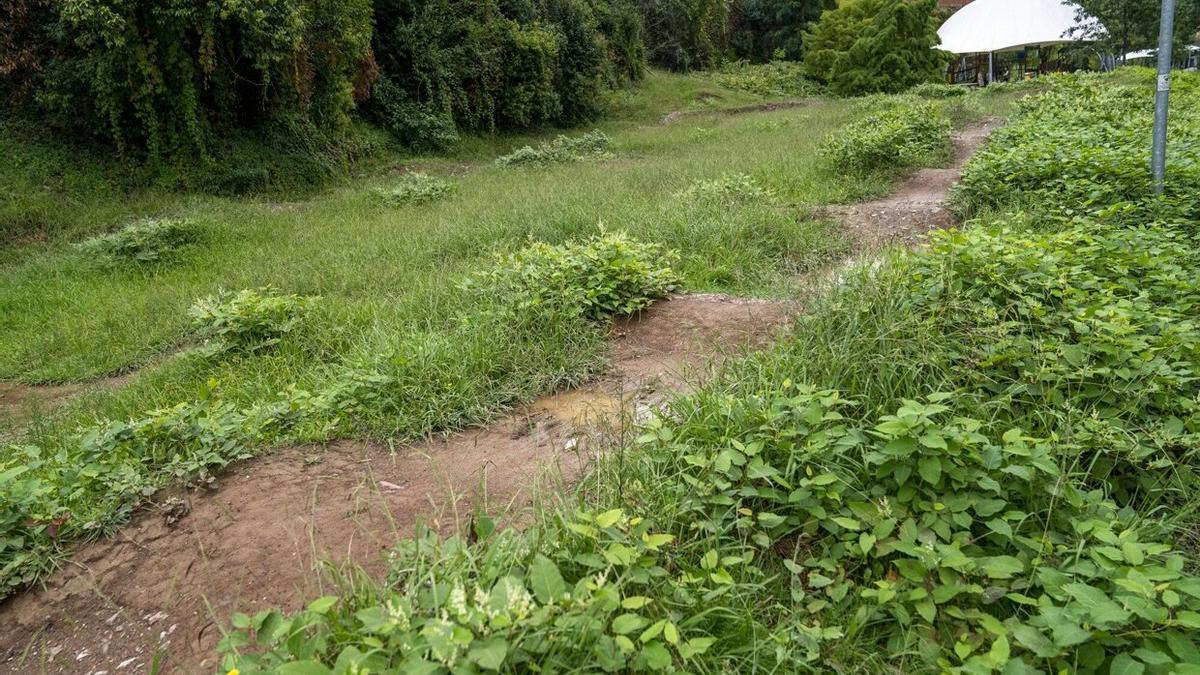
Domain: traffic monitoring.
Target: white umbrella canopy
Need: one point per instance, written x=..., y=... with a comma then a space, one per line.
x=1000, y=25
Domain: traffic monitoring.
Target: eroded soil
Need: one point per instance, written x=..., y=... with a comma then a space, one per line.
x=918, y=205
x=167, y=583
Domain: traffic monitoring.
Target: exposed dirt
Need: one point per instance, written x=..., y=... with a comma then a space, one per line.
x=168, y=582
x=672, y=117
x=918, y=205
x=18, y=402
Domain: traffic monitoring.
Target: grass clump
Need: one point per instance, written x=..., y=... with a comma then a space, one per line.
x=415, y=188
x=592, y=145
x=249, y=320
x=893, y=139
x=776, y=79
x=729, y=188
x=608, y=274
x=142, y=242
x=1065, y=159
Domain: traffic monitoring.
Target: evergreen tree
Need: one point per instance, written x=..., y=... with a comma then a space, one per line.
x=869, y=46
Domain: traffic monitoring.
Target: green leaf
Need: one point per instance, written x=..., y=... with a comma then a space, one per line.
x=627, y=623
x=489, y=654
x=656, y=656
x=695, y=647
x=545, y=580
x=930, y=469
x=1036, y=642
x=866, y=542
x=1001, y=566
x=1124, y=664
x=609, y=518
x=322, y=604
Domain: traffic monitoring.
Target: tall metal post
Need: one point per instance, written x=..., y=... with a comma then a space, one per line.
x=991, y=67
x=1162, y=95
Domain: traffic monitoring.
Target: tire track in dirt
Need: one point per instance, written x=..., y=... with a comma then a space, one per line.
x=168, y=582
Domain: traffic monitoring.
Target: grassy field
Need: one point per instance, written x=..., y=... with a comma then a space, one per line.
x=390, y=306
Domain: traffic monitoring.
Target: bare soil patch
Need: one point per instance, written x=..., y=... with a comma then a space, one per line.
x=918, y=205
x=167, y=583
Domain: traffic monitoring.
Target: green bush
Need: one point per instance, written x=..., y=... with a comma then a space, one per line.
x=871, y=46
x=896, y=138
x=249, y=320
x=606, y=275
x=415, y=188
x=774, y=79
x=146, y=241
x=1082, y=147
x=592, y=145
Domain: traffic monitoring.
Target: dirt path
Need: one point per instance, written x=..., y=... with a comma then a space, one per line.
x=918, y=205
x=19, y=403
x=168, y=581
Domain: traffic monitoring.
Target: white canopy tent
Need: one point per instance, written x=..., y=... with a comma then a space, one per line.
x=990, y=26
x=987, y=26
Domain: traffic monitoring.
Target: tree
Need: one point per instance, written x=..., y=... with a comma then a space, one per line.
x=764, y=29
x=1128, y=25
x=869, y=46
x=686, y=34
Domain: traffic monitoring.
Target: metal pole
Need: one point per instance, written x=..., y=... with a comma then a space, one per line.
x=991, y=67
x=1162, y=95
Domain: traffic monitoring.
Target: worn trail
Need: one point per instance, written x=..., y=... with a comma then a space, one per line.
x=167, y=583
x=918, y=205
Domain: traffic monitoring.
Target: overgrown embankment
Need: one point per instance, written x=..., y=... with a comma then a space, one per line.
x=976, y=458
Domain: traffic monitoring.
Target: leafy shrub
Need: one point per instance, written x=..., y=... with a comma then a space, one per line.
x=774, y=79
x=1081, y=147
x=415, y=188
x=873, y=46
x=249, y=320
x=606, y=275
x=146, y=241
x=936, y=90
x=896, y=138
x=593, y=145
x=729, y=188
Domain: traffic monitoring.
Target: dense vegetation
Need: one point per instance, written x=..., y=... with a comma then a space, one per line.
x=976, y=458
x=871, y=46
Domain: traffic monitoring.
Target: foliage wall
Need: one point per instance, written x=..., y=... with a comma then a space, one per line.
x=169, y=78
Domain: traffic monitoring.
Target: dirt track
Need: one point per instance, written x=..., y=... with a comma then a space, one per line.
x=169, y=581
x=918, y=205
